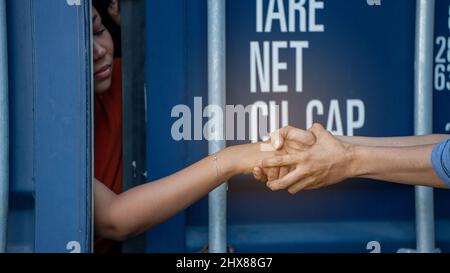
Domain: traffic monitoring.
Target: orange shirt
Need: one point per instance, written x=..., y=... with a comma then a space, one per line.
x=108, y=144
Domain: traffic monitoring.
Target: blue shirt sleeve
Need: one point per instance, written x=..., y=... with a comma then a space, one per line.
x=440, y=158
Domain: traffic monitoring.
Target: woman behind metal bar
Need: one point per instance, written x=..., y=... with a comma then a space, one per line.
x=118, y=215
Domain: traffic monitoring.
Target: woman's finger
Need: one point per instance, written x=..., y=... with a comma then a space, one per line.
x=276, y=139
x=258, y=174
x=283, y=171
x=273, y=173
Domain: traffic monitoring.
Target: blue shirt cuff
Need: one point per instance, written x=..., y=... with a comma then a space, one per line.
x=440, y=158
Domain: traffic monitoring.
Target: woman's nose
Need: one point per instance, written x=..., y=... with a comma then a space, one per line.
x=99, y=51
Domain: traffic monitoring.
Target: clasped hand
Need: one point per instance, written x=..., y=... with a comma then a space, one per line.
x=313, y=159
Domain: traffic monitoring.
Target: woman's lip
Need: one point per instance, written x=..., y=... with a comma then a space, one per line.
x=103, y=73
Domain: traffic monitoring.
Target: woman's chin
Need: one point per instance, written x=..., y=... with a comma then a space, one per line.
x=102, y=88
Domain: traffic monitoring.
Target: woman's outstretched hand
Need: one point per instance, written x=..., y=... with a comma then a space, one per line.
x=242, y=159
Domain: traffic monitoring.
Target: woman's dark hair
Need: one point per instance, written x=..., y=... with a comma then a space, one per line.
x=102, y=7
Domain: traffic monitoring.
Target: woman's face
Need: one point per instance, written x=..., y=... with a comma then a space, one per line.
x=103, y=54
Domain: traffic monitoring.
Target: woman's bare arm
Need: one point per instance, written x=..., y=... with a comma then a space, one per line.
x=122, y=216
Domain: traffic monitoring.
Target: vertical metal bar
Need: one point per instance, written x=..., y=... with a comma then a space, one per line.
x=423, y=116
x=134, y=104
x=217, y=96
x=4, y=129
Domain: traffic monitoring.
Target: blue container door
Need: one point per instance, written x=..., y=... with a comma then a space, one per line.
x=50, y=90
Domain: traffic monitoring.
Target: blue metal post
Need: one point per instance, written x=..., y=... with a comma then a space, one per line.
x=217, y=96
x=423, y=119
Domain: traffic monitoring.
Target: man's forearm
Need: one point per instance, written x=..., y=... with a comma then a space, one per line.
x=406, y=165
x=394, y=141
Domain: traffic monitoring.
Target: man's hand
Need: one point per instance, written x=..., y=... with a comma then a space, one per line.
x=114, y=11
x=332, y=159
x=325, y=163
x=300, y=140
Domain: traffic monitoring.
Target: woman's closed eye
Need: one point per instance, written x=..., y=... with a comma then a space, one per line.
x=99, y=32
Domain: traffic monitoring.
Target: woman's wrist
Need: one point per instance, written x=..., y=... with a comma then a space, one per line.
x=226, y=162
x=241, y=159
